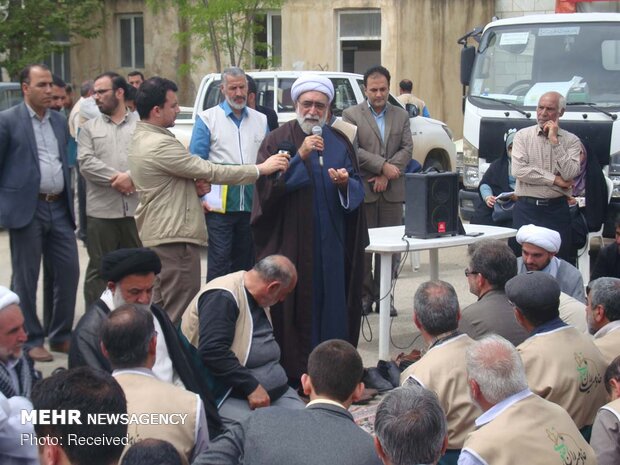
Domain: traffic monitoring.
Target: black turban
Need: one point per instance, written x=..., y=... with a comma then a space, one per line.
x=123, y=262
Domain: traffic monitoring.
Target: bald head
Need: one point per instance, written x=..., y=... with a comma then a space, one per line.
x=551, y=106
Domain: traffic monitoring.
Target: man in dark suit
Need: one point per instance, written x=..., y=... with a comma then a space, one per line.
x=385, y=148
x=36, y=206
x=323, y=433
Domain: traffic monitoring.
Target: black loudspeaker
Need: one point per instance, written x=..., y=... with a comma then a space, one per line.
x=431, y=204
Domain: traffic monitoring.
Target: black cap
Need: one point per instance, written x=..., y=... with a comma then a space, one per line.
x=123, y=262
x=533, y=289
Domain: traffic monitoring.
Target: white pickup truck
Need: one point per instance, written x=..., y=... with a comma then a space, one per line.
x=432, y=139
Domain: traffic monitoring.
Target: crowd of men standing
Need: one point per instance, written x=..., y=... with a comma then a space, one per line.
x=287, y=211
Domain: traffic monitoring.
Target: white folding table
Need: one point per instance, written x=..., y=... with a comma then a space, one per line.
x=390, y=240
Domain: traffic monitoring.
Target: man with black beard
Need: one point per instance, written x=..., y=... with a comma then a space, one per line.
x=130, y=275
x=311, y=214
x=111, y=197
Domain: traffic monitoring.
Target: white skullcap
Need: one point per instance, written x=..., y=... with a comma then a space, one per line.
x=7, y=297
x=310, y=82
x=544, y=238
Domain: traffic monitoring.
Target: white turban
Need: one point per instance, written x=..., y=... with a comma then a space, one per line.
x=544, y=238
x=312, y=82
x=7, y=297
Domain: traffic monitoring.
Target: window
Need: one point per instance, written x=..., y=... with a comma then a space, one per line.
x=359, y=33
x=60, y=61
x=132, y=41
x=268, y=40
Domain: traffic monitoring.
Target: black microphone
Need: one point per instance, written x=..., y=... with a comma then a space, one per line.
x=318, y=131
x=284, y=147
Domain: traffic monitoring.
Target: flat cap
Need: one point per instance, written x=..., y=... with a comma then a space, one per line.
x=533, y=289
x=123, y=262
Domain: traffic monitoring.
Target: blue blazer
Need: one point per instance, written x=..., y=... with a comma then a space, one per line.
x=20, y=175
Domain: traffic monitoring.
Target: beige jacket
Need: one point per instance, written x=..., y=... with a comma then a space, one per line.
x=163, y=173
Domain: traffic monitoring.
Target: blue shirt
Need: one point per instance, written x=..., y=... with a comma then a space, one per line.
x=201, y=135
x=50, y=164
x=379, y=119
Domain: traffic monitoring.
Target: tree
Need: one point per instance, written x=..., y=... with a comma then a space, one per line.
x=225, y=27
x=30, y=29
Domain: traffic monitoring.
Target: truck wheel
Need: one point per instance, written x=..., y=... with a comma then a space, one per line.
x=433, y=163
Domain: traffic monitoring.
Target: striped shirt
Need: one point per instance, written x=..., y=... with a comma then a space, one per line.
x=536, y=162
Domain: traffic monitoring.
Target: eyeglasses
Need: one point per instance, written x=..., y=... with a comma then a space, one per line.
x=101, y=91
x=468, y=272
x=307, y=104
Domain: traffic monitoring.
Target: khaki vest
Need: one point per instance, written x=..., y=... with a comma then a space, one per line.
x=147, y=394
x=609, y=345
x=442, y=370
x=565, y=367
x=348, y=129
x=531, y=431
x=242, y=341
x=410, y=98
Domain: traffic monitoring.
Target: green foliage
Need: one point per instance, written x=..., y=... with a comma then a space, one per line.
x=224, y=28
x=33, y=28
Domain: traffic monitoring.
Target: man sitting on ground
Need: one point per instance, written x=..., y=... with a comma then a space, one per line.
x=91, y=392
x=129, y=340
x=230, y=325
x=538, y=249
x=130, y=276
x=491, y=264
x=562, y=364
x=414, y=413
x=442, y=369
x=517, y=425
x=603, y=315
x=606, y=428
x=323, y=433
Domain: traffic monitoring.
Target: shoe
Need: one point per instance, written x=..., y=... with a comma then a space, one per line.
x=389, y=371
x=373, y=379
x=60, y=346
x=40, y=354
x=367, y=396
x=393, y=311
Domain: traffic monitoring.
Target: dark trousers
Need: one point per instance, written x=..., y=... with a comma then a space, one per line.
x=50, y=234
x=379, y=214
x=230, y=243
x=105, y=235
x=555, y=216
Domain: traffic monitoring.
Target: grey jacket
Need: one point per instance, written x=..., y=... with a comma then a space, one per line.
x=320, y=434
x=568, y=277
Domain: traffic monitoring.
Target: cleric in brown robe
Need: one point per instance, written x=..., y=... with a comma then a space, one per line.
x=314, y=215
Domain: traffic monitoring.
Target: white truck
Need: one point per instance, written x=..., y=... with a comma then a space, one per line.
x=432, y=139
x=516, y=61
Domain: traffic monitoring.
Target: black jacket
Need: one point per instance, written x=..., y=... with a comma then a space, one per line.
x=85, y=351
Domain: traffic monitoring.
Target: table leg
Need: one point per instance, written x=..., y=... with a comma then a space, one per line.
x=433, y=256
x=384, y=306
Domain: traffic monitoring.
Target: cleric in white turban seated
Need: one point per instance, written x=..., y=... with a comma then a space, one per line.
x=538, y=248
x=312, y=215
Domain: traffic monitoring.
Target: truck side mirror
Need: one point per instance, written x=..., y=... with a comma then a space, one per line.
x=468, y=55
x=412, y=109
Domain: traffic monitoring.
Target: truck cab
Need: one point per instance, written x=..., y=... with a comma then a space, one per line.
x=519, y=59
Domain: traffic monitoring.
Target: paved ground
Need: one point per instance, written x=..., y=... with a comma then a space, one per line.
x=452, y=263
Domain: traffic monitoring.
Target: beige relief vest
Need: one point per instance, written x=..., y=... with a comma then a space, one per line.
x=613, y=407
x=531, y=431
x=609, y=345
x=242, y=341
x=147, y=394
x=442, y=370
x=565, y=367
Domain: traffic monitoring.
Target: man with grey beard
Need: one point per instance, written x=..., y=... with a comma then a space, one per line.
x=130, y=276
x=311, y=214
x=229, y=133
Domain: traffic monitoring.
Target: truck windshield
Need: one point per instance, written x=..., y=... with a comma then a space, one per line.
x=519, y=63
